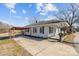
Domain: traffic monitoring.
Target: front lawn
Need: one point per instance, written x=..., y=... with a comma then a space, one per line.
x=11, y=48
x=69, y=38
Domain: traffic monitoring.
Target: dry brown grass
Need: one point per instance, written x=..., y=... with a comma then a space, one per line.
x=4, y=34
x=11, y=48
x=69, y=38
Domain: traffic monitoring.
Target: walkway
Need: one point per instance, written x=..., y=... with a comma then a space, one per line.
x=45, y=48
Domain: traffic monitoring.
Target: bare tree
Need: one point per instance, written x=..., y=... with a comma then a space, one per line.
x=33, y=20
x=70, y=14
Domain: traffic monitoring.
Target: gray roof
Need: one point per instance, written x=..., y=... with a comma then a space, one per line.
x=46, y=22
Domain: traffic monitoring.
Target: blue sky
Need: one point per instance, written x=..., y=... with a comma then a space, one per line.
x=22, y=14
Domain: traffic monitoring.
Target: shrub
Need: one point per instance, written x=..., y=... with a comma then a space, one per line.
x=60, y=37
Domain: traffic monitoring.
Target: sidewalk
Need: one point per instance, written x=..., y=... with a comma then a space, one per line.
x=45, y=48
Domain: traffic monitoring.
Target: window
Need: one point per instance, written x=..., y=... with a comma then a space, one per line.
x=51, y=30
x=34, y=30
x=42, y=29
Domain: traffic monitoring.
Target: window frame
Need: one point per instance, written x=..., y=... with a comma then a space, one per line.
x=34, y=30
x=42, y=29
x=51, y=29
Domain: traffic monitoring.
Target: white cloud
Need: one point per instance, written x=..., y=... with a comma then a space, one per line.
x=13, y=11
x=24, y=11
x=39, y=7
x=50, y=7
x=43, y=9
x=10, y=5
x=42, y=13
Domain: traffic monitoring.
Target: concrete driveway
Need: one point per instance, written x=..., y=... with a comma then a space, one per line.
x=76, y=41
x=40, y=47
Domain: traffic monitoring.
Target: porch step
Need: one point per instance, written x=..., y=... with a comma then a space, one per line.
x=53, y=38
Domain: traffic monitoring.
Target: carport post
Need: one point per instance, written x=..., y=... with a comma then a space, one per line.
x=10, y=33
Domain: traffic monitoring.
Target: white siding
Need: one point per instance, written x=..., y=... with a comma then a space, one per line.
x=46, y=32
x=38, y=34
x=56, y=27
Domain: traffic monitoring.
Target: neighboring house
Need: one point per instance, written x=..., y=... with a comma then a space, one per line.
x=45, y=29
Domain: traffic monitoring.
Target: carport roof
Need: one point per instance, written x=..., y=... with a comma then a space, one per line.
x=19, y=28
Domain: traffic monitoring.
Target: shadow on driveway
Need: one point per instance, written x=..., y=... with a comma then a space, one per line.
x=34, y=38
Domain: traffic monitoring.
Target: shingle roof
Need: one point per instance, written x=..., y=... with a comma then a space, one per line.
x=46, y=22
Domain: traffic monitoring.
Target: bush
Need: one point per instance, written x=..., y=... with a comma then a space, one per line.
x=61, y=34
x=60, y=37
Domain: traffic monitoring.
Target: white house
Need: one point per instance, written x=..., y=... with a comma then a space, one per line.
x=45, y=29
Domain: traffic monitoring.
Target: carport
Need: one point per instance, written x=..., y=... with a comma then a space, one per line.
x=13, y=29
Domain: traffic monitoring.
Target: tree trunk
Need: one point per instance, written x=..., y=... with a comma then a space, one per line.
x=60, y=39
x=71, y=29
